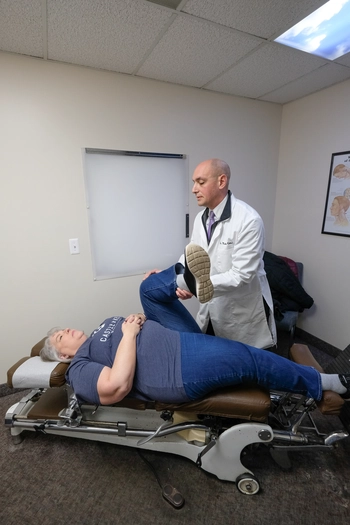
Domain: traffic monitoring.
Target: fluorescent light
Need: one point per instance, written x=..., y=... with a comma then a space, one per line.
x=326, y=32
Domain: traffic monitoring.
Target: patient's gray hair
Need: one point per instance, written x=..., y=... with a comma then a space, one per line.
x=48, y=351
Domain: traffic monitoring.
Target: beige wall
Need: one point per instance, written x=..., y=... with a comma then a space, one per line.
x=312, y=129
x=49, y=112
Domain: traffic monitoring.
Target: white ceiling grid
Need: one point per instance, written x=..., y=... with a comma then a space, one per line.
x=219, y=45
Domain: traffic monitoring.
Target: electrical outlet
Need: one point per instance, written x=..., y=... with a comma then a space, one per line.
x=74, y=246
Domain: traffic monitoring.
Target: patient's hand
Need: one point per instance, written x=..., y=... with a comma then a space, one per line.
x=132, y=325
x=139, y=319
x=147, y=274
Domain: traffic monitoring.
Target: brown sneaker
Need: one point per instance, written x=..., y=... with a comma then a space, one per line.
x=197, y=273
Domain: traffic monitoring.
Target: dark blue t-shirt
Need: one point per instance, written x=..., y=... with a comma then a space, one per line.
x=158, y=365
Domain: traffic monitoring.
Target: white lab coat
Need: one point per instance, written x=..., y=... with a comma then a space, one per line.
x=236, y=252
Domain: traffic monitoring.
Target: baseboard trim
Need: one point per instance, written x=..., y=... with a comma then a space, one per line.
x=318, y=343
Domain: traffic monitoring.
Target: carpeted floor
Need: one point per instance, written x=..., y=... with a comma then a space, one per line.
x=54, y=480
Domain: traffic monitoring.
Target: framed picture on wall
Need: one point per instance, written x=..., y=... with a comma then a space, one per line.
x=336, y=219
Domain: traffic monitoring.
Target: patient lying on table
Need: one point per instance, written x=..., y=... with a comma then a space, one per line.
x=143, y=356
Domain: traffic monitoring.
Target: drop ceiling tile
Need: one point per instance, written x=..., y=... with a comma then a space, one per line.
x=193, y=51
x=321, y=78
x=207, y=47
x=265, y=18
x=104, y=34
x=21, y=27
x=268, y=68
x=344, y=60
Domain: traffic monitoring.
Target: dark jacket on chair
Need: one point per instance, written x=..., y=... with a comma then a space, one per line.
x=286, y=289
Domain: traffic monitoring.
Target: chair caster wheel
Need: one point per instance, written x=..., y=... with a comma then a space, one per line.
x=247, y=484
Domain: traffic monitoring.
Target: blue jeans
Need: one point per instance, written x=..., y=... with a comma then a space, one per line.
x=160, y=303
x=208, y=362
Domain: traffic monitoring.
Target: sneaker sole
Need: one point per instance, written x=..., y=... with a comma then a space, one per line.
x=198, y=263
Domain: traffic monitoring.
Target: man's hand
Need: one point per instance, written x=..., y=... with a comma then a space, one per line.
x=183, y=294
x=147, y=274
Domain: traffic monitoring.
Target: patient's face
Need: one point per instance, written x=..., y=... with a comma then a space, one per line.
x=68, y=341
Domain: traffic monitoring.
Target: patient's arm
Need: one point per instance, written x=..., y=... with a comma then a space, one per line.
x=116, y=382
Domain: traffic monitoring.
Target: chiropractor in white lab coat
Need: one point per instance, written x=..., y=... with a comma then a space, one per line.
x=241, y=308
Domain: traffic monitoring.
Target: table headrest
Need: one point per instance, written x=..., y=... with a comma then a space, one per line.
x=36, y=348
x=33, y=372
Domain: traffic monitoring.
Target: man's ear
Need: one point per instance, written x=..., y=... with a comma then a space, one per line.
x=222, y=181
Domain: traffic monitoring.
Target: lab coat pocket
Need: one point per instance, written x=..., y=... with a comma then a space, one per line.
x=224, y=256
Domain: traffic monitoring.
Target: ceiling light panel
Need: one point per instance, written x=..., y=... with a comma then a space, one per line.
x=325, y=32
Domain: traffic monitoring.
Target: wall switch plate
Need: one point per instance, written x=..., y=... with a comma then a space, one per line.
x=74, y=246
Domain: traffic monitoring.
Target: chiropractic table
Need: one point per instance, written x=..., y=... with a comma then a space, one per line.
x=211, y=432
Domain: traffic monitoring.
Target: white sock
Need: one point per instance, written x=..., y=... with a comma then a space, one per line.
x=181, y=282
x=332, y=382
